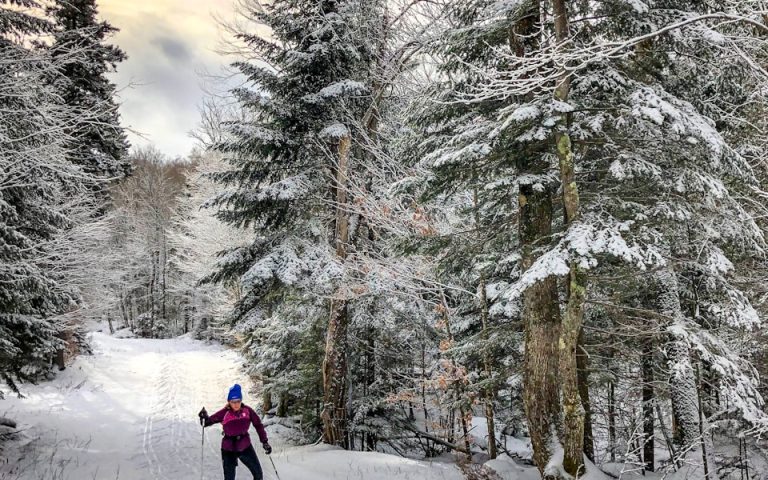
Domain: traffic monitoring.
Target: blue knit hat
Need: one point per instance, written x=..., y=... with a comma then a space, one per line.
x=235, y=393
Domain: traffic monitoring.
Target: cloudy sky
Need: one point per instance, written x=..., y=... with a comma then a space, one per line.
x=168, y=42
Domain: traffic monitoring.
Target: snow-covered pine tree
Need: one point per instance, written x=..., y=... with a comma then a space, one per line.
x=659, y=177
x=309, y=84
x=471, y=252
x=98, y=142
x=682, y=182
x=34, y=175
x=471, y=154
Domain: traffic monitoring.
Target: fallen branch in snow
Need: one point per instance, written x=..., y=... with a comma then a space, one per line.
x=435, y=439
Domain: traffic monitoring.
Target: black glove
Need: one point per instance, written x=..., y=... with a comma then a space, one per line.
x=267, y=448
x=203, y=416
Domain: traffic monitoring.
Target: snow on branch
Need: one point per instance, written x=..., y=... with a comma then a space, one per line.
x=585, y=243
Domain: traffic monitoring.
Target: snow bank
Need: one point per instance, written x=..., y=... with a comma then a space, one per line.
x=326, y=462
x=507, y=469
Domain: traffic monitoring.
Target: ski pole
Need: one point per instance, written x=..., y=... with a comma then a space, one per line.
x=273, y=466
x=202, y=449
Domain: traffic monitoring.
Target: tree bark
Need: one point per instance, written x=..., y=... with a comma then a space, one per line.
x=682, y=392
x=132, y=313
x=582, y=362
x=702, y=435
x=123, y=313
x=266, y=399
x=282, y=405
x=541, y=315
x=541, y=309
x=612, y=420
x=573, y=411
x=163, y=283
x=334, y=414
x=152, y=291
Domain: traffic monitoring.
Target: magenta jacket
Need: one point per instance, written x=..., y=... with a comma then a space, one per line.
x=236, y=425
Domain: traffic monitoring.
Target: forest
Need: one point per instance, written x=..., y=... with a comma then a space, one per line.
x=530, y=230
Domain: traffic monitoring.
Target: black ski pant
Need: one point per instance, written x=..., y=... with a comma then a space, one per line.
x=249, y=459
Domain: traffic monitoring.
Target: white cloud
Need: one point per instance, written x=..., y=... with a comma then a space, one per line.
x=168, y=42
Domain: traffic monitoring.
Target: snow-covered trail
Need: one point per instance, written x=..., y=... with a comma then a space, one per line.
x=128, y=412
x=128, y=409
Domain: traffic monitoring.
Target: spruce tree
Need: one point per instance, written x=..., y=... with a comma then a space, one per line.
x=289, y=160
x=98, y=143
x=471, y=153
x=33, y=176
x=610, y=113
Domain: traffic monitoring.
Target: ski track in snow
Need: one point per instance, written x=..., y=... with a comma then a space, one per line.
x=129, y=412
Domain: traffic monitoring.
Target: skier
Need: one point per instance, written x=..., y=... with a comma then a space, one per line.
x=236, y=418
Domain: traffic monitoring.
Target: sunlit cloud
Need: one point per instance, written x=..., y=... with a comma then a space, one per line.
x=169, y=43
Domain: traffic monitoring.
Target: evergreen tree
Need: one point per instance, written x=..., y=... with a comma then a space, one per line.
x=470, y=153
x=607, y=111
x=290, y=160
x=33, y=177
x=98, y=143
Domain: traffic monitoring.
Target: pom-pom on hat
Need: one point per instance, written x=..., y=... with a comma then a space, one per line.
x=235, y=393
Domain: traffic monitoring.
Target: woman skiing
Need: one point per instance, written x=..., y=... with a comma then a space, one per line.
x=236, y=418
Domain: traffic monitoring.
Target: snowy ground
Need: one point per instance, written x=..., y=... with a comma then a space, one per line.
x=129, y=412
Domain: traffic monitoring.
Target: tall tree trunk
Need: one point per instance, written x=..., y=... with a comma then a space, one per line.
x=707, y=448
x=583, y=370
x=334, y=414
x=152, y=290
x=282, y=405
x=541, y=314
x=163, y=284
x=370, y=438
x=132, y=313
x=682, y=392
x=541, y=309
x=123, y=312
x=612, y=420
x=423, y=382
x=266, y=399
x=573, y=411
x=649, y=444
x=613, y=377
x=187, y=317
